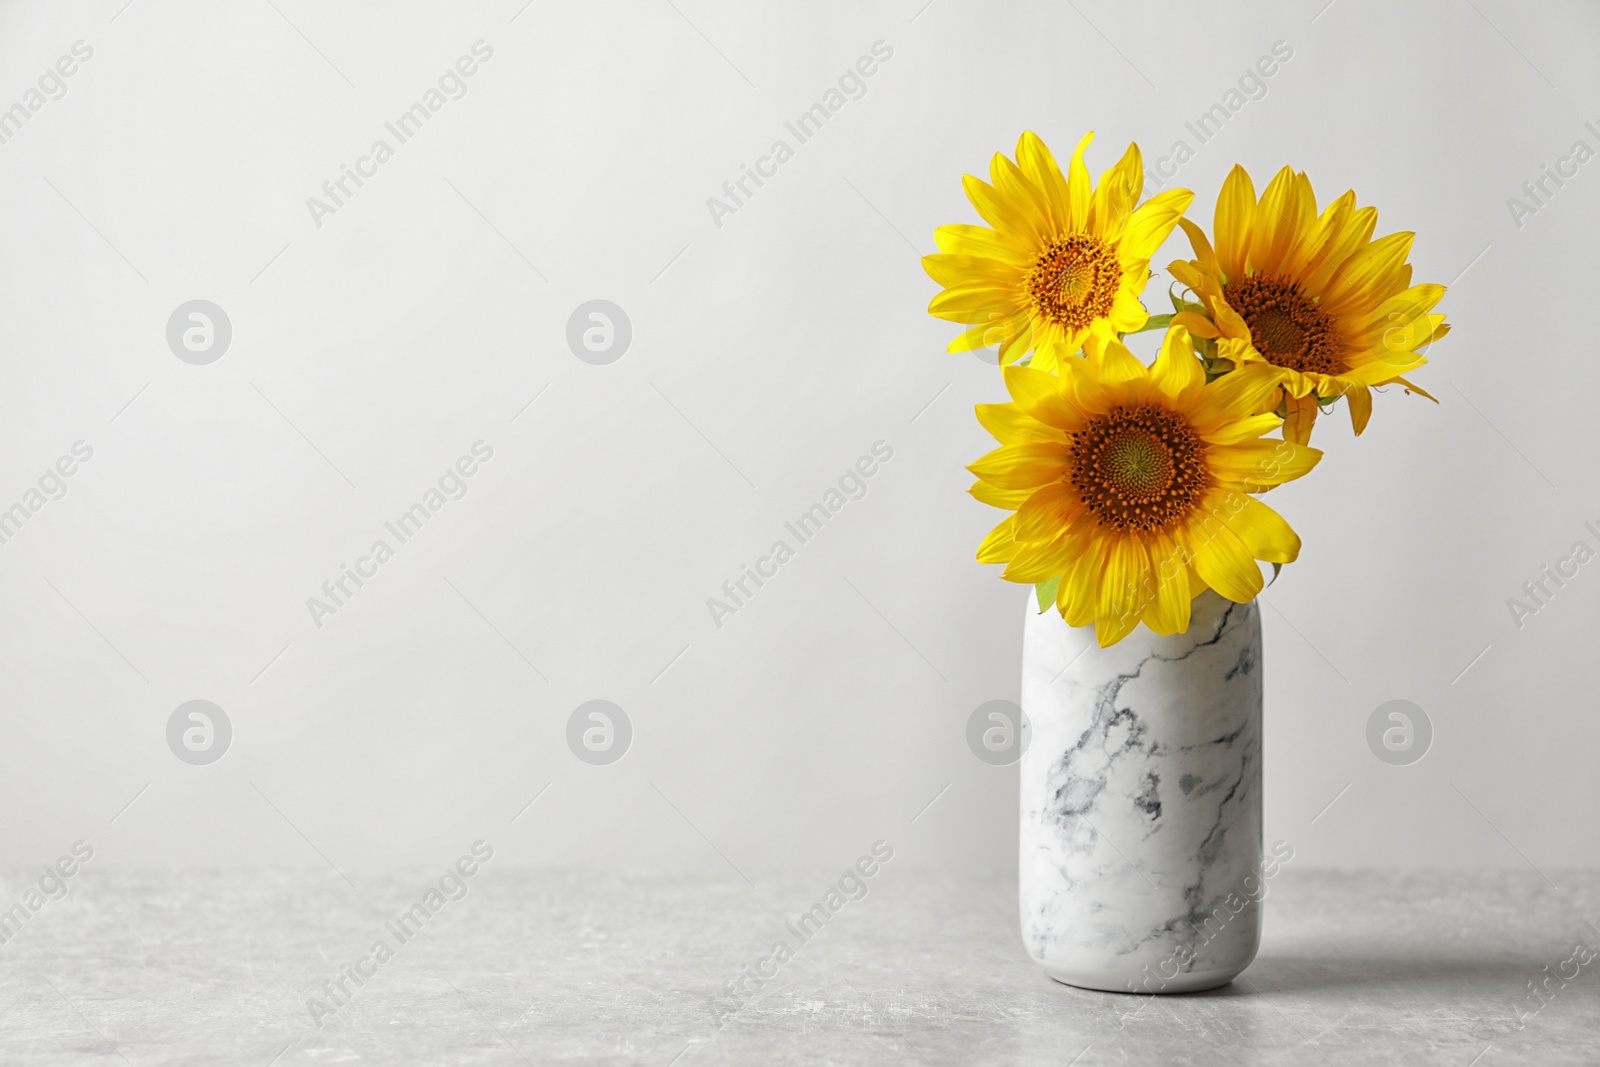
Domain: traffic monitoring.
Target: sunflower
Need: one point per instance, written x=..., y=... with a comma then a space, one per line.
x=1312, y=295
x=1131, y=485
x=1062, y=261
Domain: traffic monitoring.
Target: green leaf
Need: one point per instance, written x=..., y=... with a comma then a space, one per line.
x=1155, y=322
x=1180, y=304
x=1046, y=593
x=1277, y=569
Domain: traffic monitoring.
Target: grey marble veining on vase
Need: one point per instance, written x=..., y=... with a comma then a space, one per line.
x=1141, y=852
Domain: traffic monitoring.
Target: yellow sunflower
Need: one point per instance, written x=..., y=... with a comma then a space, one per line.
x=1131, y=485
x=1312, y=295
x=1062, y=261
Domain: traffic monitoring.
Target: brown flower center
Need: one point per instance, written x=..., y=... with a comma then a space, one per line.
x=1075, y=281
x=1286, y=326
x=1139, y=467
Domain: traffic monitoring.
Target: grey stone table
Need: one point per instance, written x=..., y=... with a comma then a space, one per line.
x=541, y=967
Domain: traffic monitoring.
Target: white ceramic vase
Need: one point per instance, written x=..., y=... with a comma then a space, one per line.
x=1141, y=801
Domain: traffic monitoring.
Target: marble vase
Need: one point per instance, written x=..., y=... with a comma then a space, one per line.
x=1141, y=801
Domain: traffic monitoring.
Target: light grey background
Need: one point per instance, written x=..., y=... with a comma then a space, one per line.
x=768, y=354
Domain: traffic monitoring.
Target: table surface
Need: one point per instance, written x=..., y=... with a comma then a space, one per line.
x=584, y=968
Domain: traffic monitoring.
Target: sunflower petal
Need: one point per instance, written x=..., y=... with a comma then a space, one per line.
x=1370, y=276
x=1196, y=323
x=994, y=496
x=1114, y=364
x=1417, y=389
x=1231, y=224
x=1312, y=247
x=1341, y=246
x=999, y=546
x=1034, y=157
x=1040, y=395
x=1204, y=254
x=1011, y=425
x=950, y=268
x=1228, y=321
x=1007, y=218
x=1122, y=592
x=1360, y=398
x=1225, y=563
x=1116, y=194
x=1258, y=465
x=1078, y=190
x=1177, y=371
x=1152, y=224
x=995, y=328
x=1249, y=389
x=977, y=302
x=1275, y=222
x=1037, y=561
x=1401, y=324
x=966, y=240
x=1440, y=328
x=1011, y=183
x=1022, y=466
x=1075, y=596
x=1017, y=344
x=1247, y=429
x=1264, y=532
x=1048, y=513
x=1300, y=416
x=1128, y=314
x=1185, y=273
x=1168, y=609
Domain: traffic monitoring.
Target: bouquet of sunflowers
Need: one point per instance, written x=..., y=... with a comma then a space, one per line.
x=1133, y=488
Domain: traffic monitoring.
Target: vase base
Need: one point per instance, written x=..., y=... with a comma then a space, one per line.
x=1142, y=985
